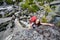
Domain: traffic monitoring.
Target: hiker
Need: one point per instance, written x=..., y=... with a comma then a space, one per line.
x=35, y=22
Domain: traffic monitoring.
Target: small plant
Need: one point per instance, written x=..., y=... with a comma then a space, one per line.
x=47, y=8
x=33, y=8
x=20, y=0
x=58, y=24
x=30, y=5
x=1, y=0
x=44, y=20
x=9, y=1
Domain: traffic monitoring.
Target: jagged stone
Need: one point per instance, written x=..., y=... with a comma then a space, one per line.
x=2, y=20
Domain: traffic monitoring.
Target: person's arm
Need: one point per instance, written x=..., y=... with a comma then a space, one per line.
x=48, y=24
x=30, y=26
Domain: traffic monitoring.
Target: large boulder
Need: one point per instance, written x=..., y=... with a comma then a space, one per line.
x=57, y=9
x=50, y=16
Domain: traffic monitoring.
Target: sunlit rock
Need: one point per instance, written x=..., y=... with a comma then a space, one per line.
x=9, y=8
x=2, y=8
x=50, y=16
x=57, y=9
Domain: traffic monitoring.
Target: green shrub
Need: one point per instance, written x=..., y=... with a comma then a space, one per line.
x=29, y=2
x=58, y=24
x=1, y=0
x=24, y=6
x=9, y=1
x=44, y=20
x=33, y=8
x=30, y=5
x=20, y=0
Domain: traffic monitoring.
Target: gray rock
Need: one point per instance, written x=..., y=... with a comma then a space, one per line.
x=50, y=15
x=47, y=34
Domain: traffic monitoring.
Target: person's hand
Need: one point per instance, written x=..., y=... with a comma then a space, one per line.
x=29, y=27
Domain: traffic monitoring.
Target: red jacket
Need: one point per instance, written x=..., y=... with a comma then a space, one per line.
x=33, y=20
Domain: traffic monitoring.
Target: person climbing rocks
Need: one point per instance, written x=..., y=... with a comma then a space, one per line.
x=35, y=22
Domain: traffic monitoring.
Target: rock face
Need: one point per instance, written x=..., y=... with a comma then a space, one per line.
x=39, y=33
x=2, y=20
x=42, y=33
x=17, y=32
